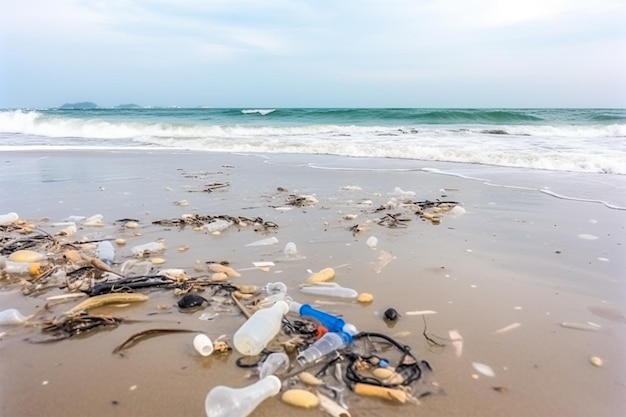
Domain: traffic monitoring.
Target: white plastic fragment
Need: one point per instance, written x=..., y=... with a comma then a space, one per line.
x=507, y=328
x=420, y=312
x=457, y=341
x=483, y=369
x=372, y=242
x=264, y=242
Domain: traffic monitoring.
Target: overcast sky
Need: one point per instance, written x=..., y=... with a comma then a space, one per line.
x=314, y=53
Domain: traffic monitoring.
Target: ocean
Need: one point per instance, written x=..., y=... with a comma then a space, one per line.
x=571, y=140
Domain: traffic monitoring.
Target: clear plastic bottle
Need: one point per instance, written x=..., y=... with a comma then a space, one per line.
x=328, y=343
x=332, y=323
x=224, y=401
x=105, y=252
x=215, y=226
x=327, y=289
x=8, y=218
x=260, y=329
x=151, y=247
x=273, y=363
x=21, y=268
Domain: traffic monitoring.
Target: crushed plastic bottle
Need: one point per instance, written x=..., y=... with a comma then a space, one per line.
x=259, y=329
x=224, y=401
x=328, y=343
x=275, y=362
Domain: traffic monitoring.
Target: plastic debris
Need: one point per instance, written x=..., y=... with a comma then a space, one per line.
x=11, y=316
x=264, y=242
x=483, y=369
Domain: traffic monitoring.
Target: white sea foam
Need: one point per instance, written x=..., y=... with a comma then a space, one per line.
x=586, y=148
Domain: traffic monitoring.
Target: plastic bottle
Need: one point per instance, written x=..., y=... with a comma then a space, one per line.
x=328, y=343
x=203, y=344
x=259, y=329
x=151, y=247
x=11, y=316
x=216, y=226
x=224, y=401
x=330, y=290
x=21, y=268
x=105, y=252
x=332, y=323
x=273, y=363
x=8, y=218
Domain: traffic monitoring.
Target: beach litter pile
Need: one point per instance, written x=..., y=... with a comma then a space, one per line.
x=314, y=358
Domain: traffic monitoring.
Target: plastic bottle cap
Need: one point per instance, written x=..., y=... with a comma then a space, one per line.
x=350, y=329
x=294, y=307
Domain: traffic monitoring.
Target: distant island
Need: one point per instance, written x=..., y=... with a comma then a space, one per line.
x=81, y=105
x=88, y=105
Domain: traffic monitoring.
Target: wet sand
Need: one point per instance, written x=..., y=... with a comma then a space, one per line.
x=517, y=255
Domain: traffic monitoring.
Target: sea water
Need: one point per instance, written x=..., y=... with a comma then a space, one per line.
x=573, y=140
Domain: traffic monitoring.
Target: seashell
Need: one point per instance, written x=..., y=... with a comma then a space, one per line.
x=120, y=242
x=383, y=373
x=308, y=378
x=183, y=248
x=219, y=276
x=223, y=268
x=157, y=261
x=247, y=289
x=365, y=298
x=324, y=275
x=241, y=296
x=191, y=300
x=72, y=255
x=25, y=255
x=596, y=361
x=300, y=398
x=175, y=274
x=131, y=225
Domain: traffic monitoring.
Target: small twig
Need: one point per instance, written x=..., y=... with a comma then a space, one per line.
x=152, y=332
x=428, y=338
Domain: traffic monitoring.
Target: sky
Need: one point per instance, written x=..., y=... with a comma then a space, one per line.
x=313, y=53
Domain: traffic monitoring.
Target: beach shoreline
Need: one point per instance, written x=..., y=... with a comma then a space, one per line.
x=518, y=255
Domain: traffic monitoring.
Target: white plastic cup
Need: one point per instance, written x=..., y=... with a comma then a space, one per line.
x=203, y=344
x=291, y=249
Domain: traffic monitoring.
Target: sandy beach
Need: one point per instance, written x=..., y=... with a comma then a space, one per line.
x=530, y=274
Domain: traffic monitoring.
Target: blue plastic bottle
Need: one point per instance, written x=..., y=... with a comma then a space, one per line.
x=332, y=323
